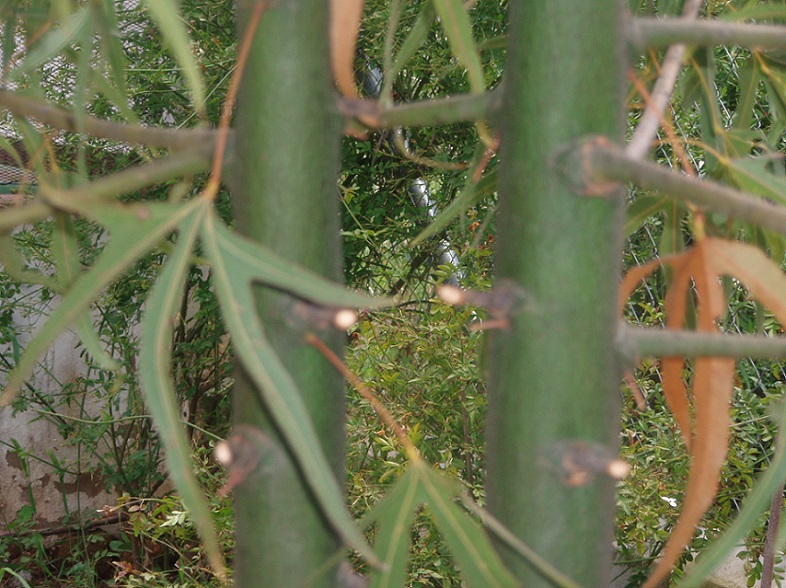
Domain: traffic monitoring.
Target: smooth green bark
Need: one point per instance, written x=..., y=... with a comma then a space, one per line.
x=554, y=375
x=284, y=188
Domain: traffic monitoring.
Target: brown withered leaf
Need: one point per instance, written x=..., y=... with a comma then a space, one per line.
x=707, y=433
x=674, y=390
x=345, y=18
x=713, y=384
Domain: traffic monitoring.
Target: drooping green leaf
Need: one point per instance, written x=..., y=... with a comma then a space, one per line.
x=65, y=254
x=15, y=266
x=466, y=539
x=53, y=42
x=755, y=11
x=394, y=516
x=236, y=264
x=752, y=508
x=671, y=239
x=154, y=363
x=263, y=266
x=166, y=13
x=749, y=85
x=134, y=231
x=458, y=28
x=413, y=41
x=642, y=209
x=751, y=174
x=111, y=42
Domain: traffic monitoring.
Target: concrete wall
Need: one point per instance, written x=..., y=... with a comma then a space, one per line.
x=34, y=454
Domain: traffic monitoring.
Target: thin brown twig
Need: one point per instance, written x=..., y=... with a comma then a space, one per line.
x=65, y=120
x=387, y=418
x=668, y=128
x=229, y=103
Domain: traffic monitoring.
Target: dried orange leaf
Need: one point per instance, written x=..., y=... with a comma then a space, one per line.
x=635, y=275
x=713, y=384
x=345, y=18
x=761, y=276
x=671, y=367
x=675, y=305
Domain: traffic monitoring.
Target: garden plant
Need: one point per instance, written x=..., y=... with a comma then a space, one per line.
x=501, y=454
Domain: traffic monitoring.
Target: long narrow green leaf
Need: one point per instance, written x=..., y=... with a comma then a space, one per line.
x=65, y=253
x=234, y=269
x=750, y=76
x=466, y=539
x=458, y=28
x=263, y=266
x=416, y=37
x=751, y=174
x=14, y=265
x=112, y=48
x=756, y=502
x=394, y=516
x=53, y=42
x=154, y=363
x=167, y=16
x=642, y=209
x=134, y=231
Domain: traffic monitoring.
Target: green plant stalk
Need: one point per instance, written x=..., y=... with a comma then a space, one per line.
x=66, y=120
x=462, y=107
x=603, y=163
x=657, y=32
x=553, y=372
x=284, y=185
x=637, y=342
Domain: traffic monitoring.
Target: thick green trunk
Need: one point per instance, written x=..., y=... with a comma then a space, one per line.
x=554, y=375
x=284, y=189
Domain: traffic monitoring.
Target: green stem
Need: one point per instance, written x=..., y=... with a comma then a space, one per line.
x=602, y=162
x=459, y=108
x=287, y=132
x=637, y=342
x=66, y=120
x=554, y=370
x=655, y=33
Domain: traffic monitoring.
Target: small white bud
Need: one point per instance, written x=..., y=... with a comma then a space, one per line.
x=450, y=294
x=345, y=318
x=223, y=453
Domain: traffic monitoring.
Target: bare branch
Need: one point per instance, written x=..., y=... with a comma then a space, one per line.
x=592, y=167
x=637, y=342
x=459, y=108
x=654, y=33
x=645, y=132
x=65, y=120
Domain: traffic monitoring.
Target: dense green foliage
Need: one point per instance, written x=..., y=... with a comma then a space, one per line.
x=423, y=359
